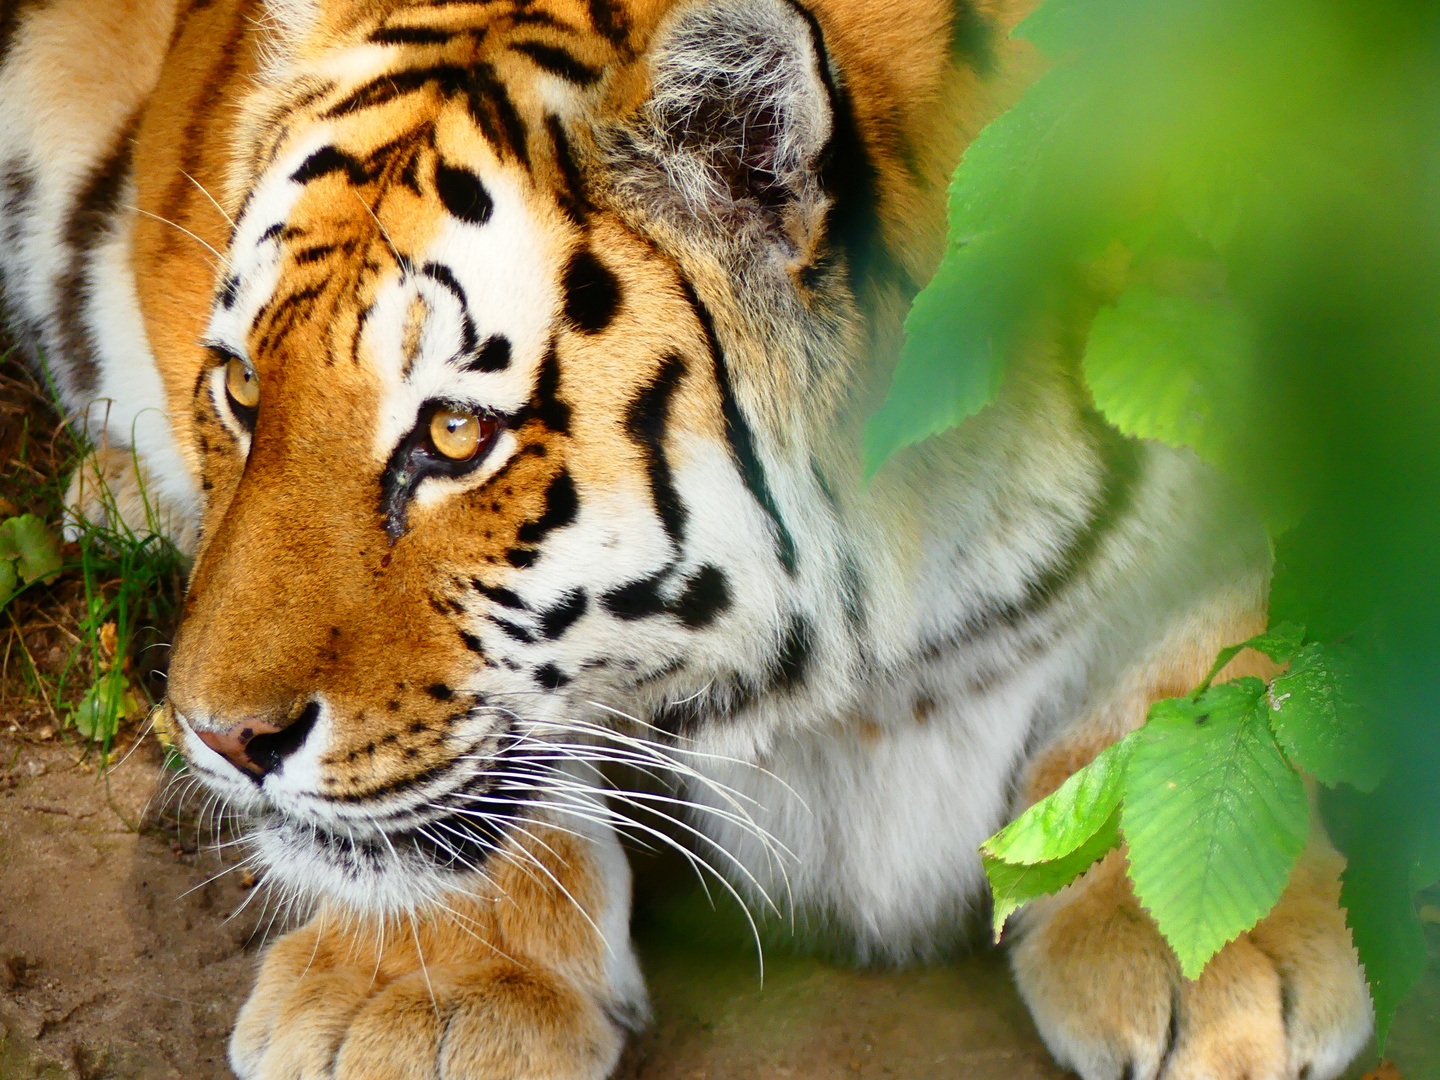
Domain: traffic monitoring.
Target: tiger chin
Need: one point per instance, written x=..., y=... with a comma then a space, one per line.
x=502, y=366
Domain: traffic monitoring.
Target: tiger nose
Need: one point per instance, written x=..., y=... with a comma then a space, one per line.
x=257, y=747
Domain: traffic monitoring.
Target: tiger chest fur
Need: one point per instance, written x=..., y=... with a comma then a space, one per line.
x=501, y=364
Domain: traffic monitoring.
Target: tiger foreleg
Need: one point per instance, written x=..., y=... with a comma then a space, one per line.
x=111, y=492
x=514, y=978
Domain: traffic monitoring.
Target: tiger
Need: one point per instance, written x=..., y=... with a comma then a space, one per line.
x=501, y=367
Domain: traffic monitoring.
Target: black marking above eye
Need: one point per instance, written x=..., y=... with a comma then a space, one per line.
x=494, y=355
x=327, y=160
x=592, y=293
x=229, y=291
x=463, y=194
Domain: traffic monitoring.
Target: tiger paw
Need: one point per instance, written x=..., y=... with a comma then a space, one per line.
x=110, y=490
x=326, y=1005
x=1286, y=1001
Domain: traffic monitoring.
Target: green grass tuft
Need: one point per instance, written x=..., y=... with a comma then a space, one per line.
x=82, y=651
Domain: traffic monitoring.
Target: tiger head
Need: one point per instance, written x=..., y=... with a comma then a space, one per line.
x=531, y=318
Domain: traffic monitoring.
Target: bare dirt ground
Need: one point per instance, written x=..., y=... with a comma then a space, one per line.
x=119, y=957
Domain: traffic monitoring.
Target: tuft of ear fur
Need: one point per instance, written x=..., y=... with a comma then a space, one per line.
x=737, y=121
x=294, y=19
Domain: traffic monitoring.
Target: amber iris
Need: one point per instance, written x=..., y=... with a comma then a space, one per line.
x=242, y=384
x=457, y=435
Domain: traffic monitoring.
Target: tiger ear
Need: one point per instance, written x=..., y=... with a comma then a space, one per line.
x=733, y=133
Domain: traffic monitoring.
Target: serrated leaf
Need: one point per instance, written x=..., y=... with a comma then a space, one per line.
x=960, y=325
x=1379, y=908
x=1012, y=885
x=33, y=547
x=1215, y=818
x=1062, y=821
x=1170, y=367
x=1280, y=643
x=1319, y=724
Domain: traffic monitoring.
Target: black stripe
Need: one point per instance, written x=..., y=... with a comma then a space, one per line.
x=573, y=200
x=609, y=20
x=559, y=62
x=443, y=276
x=484, y=89
x=546, y=405
x=327, y=160
x=410, y=35
x=86, y=227
x=312, y=254
x=793, y=660
x=638, y=599
x=646, y=421
x=706, y=596
x=502, y=596
x=451, y=79
x=556, y=620
x=1120, y=462
x=494, y=354
x=519, y=633
x=562, y=503
x=1120, y=473
x=739, y=435
x=17, y=185
x=286, y=313
x=973, y=38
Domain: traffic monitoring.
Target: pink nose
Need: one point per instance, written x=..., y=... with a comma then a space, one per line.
x=236, y=745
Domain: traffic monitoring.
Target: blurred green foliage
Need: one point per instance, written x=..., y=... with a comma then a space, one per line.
x=1252, y=192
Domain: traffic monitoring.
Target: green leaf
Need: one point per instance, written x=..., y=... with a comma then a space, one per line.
x=1319, y=724
x=1062, y=821
x=98, y=714
x=33, y=547
x=1379, y=906
x=1215, y=818
x=9, y=580
x=1013, y=885
x=1280, y=643
x=1425, y=867
x=959, y=329
x=1170, y=367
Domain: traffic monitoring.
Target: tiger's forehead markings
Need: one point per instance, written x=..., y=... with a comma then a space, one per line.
x=487, y=278
x=255, y=255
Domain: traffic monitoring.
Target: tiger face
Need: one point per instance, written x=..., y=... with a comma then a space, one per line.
x=478, y=435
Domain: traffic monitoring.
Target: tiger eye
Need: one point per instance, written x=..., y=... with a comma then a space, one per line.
x=455, y=434
x=242, y=384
